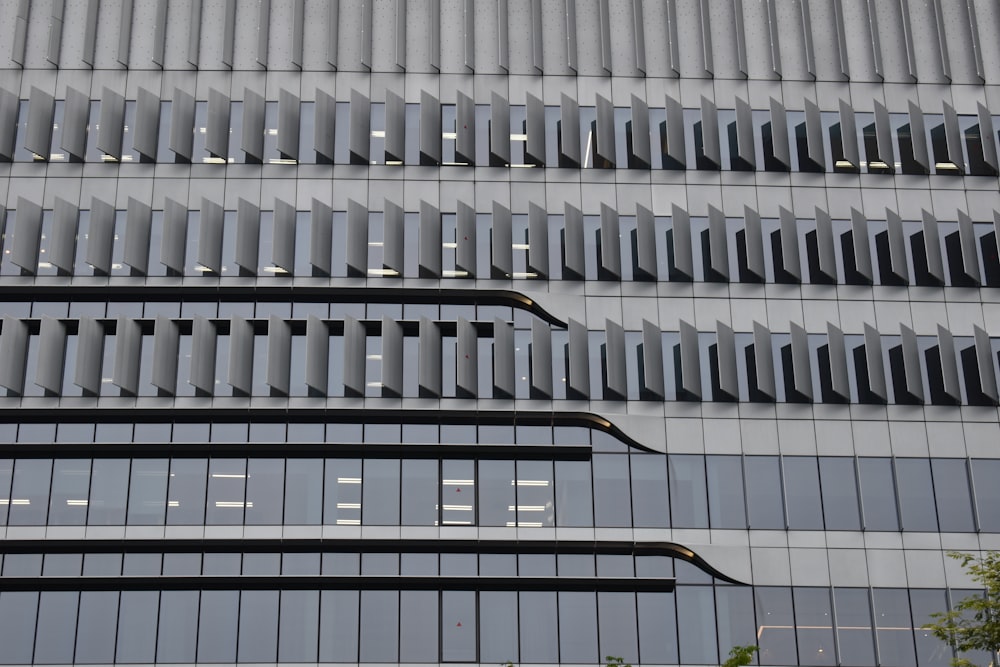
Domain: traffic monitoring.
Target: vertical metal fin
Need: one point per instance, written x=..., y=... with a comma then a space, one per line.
x=429, y=260
x=52, y=355
x=641, y=154
x=317, y=355
x=652, y=381
x=541, y=359
x=501, y=236
x=393, y=238
x=101, y=236
x=392, y=358
x=194, y=34
x=41, y=112
x=229, y=34
x=90, y=32
x=366, y=34
x=538, y=240
x=210, y=236
x=429, y=370
x=974, y=41
x=499, y=130
x=536, y=35
x=790, y=259
x=298, y=32
x=967, y=239
x=13, y=354
x=953, y=139
x=465, y=129
x=932, y=245
x=112, y=123
x=710, y=132
x=645, y=244
x=430, y=129
x=55, y=32
x=883, y=136
x=357, y=239
x=9, y=108
x=779, y=134
x=279, y=355
x=611, y=250
x=605, y=151
x=569, y=118
x=675, y=133
x=988, y=135
x=807, y=39
x=801, y=369
x=764, y=361
x=774, y=31
x=897, y=246
x=906, y=33
x=984, y=362
x=949, y=364
x=321, y=237
x=503, y=359
x=911, y=364
x=395, y=127
x=325, y=122
x=182, y=124
x=825, y=245
x=241, y=342
x=572, y=61
x=849, y=135
x=534, y=145
x=253, y=125
x=942, y=38
x=718, y=242
x=21, y=31
x=175, y=231
x=434, y=34
x=862, y=245
x=875, y=363
x=469, y=34
x=467, y=355
x=289, y=111
x=217, y=132
x=840, y=26
x=283, y=242
x=166, y=348
x=837, y=350
x=690, y=362
x=705, y=15
x=76, y=116
x=400, y=44
x=673, y=40
x=89, y=356
x=814, y=134
x=918, y=137
x=604, y=20
x=128, y=350
x=578, y=367
x=359, y=139
x=146, y=137
x=65, y=223
x=465, y=239
x=27, y=236
x=503, y=37
x=683, y=268
x=332, y=32
x=754, y=240
x=125, y=33
x=138, y=229
x=247, y=236
x=204, y=344
x=745, y=134
x=725, y=345
x=876, y=41
x=160, y=33
x=354, y=357
x=739, y=28
x=574, y=256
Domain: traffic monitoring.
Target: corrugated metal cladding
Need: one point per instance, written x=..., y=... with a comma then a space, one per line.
x=529, y=331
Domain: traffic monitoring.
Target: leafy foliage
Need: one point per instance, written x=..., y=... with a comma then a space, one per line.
x=974, y=623
x=739, y=656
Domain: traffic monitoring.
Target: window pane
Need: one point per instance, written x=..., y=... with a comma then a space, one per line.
x=496, y=493
x=893, y=629
x=688, y=502
x=147, y=503
x=854, y=626
x=380, y=492
x=534, y=494
x=458, y=626
x=538, y=625
x=696, y=625
x=418, y=627
x=186, y=492
x=951, y=491
x=218, y=625
x=801, y=478
x=916, y=505
x=338, y=636
x=6, y=473
x=17, y=626
x=763, y=484
x=657, y=628
x=265, y=490
x=736, y=617
x=108, y=492
x=985, y=473
x=574, y=501
x=776, y=625
x=258, y=626
x=342, y=498
x=137, y=626
x=931, y=651
x=29, y=497
x=177, y=630
x=420, y=492
x=650, y=503
x=458, y=493
x=498, y=631
x=840, y=493
x=298, y=633
x=70, y=491
x=726, y=503
x=226, y=491
x=814, y=626
x=303, y=492
x=578, y=627
x=56, y=632
x=95, y=637
x=379, y=625
x=878, y=496
x=617, y=625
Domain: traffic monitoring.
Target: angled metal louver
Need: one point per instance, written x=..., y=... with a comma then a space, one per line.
x=241, y=343
x=773, y=33
x=395, y=127
x=51, y=355
x=955, y=159
x=263, y=30
x=101, y=236
x=393, y=238
x=942, y=37
x=210, y=230
x=13, y=354
x=673, y=40
x=541, y=359
x=825, y=245
x=862, y=245
x=604, y=153
x=610, y=267
x=875, y=363
x=503, y=359
x=897, y=247
x=366, y=33
x=128, y=352
x=359, y=138
x=76, y=117
x=683, y=257
x=229, y=33
x=932, y=246
x=739, y=28
x=949, y=364
x=837, y=350
x=645, y=245
x=501, y=236
x=652, y=386
x=815, y=149
x=967, y=241
x=332, y=32
x=55, y=32
x=883, y=139
x=27, y=236
x=252, y=141
x=400, y=29
x=89, y=356
x=572, y=61
x=689, y=386
x=569, y=143
x=41, y=112
x=283, y=241
x=639, y=31
x=166, y=348
x=499, y=130
x=574, y=257
x=112, y=123
x=175, y=233
x=779, y=135
x=537, y=61
x=194, y=34
x=204, y=344
x=467, y=357
x=465, y=240
x=876, y=42
x=538, y=240
x=247, y=236
x=905, y=31
x=918, y=138
x=725, y=347
x=430, y=129
x=65, y=225
x=20, y=31
x=745, y=152
x=392, y=358
x=138, y=229
x=984, y=364
x=9, y=108
x=801, y=365
x=434, y=33
x=753, y=238
x=182, y=125
x=640, y=149
x=289, y=109
x=317, y=355
x=90, y=31
x=465, y=129
x=791, y=261
x=159, y=46
x=718, y=242
x=763, y=356
x=676, y=157
x=298, y=31
x=321, y=237
x=357, y=239
x=325, y=125
x=711, y=145
x=429, y=371
x=125, y=33
x=469, y=34
x=279, y=355
x=145, y=139
x=578, y=375
x=429, y=261
x=534, y=145
x=911, y=364
x=704, y=16
x=604, y=25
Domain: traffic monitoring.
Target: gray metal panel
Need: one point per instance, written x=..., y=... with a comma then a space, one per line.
x=675, y=132
x=465, y=129
x=875, y=363
x=840, y=26
x=883, y=136
x=27, y=235
x=298, y=31
x=217, y=129
x=128, y=349
x=683, y=254
x=897, y=246
x=949, y=364
x=801, y=370
x=791, y=261
x=429, y=250
x=210, y=236
x=745, y=134
x=247, y=236
x=988, y=135
x=430, y=129
x=138, y=229
x=395, y=127
x=9, y=107
x=332, y=30
x=849, y=134
x=429, y=370
x=182, y=124
x=641, y=149
x=645, y=251
x=499, y=130
x=534, y=145
x=974, y=40
x=502, y=255
x=617, y=374
x=918, y=137
x=321, y=237
x=394, y=239
x=569, y=117
x=357, y=239
x=825, y=245
x=710, y=131
x=726, y=351
x=392, y=357
x=317, y=355
x=875, y=40
x=754, y=239
x=469, y=34
x=283, y=241
x=101, y=236
x=467, y=356
x=325, y=124
x=571, y=51
x=604, y=24
x=400, y=43
x=652, y=361
x=434, y=33
x=263, y=30
x=166, y=346
x=13, y=353
x=51, y=355
x=911, y=363
x=673, y=46
x=55, y=32
x=65, y=222
x=366, y=34
x=175, y=230
x=578, y=366
x=705, y=14
x=779, y=134
x=253, y=125
x=739, y=28
x=465, y=239
x=288, y=125
x=279, y=355
x=906, y=33
x=125, y=33
x=953, y=138
x=89, y=356
x=229, y=34
x=503, y=358
x=541, y=359
x=194, y=34
x=611, y=244
x=41, y=111
x=241, y=342
x=690, y=376
x=90, y=32
x=160, y=33
x=984, y=362
x=503, y=37
x=574, y=256
x=932, y=244
x=942, y=39
x=146, y=137
x=76, y=116
x=204, y=343
x=837, y=349
x=605, y=150
x=807, y=39
x=718, y=242
x=112, y=123
x=967, y=239
x=862, y=245
x=773, y=31
x=814, y=134
x=538, y=240
x=537, y=62
x=763, y=361
x=21, y=31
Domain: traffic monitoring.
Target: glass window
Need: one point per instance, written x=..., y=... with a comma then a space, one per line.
x=6, y=473
x=147, y=502
x=218, y=626
x=380, y=492
x=893, y=627
x=735, y=613
x=814, y=626
x=379, y=626
x=22, y=565
x=420, y=492
x=18, y=610
x=298, y=631
x=650, y=501
x=574, y=502
x=854, y=626
x=29, y=496
x=186, y=492
x=418, y=627
x=688, y=501
x=338, y=637
x=840, y=493
x=878, y=496
x=802, y=493
x=56, y=632
x=916, y=505
x=578, y=627
x=265, y=490
x=70, y=491
x=985, y=472
x=226, y=491
x=108, y=492
x=498, y=627
x=951, y=491
x=458, y=631
x=496, y=493
x=617, y=625
x=458, y=493
x=538, y=625
x=62, y=565
x=763, y=484
x=931, y=651
x=534, y=494
x=657, y=628
x=258, y=628
x=776, y=624
x=303, y=492
x=726, y=503
x=696, y=625
x=342, y=499
x=95, y=636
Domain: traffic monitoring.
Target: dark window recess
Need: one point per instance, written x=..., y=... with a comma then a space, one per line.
x=812, y=256
x=956, y=262
x=756, y=395
x=806, y=163
x=898, y=374
x=736, y=163
x=935, y=377
x=973, y=383
x=771, y=163
x=711, y=275
x=921, y=274
x=673, y=273
x=713, y=365
x=840, y=163
x=876, y=165
x=907, y=162
x=788, y=377
x=851, y=274
x=865, y=394
x=826, y=377
x=702, y=161
x=668, y=161
x=886, y=276
x=991, y=259
x=745, y=274
x=780, y=274
x=974, y=146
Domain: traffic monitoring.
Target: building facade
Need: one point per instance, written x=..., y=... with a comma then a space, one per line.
x=530, y=331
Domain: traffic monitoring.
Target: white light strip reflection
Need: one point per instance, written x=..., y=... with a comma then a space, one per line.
x=77, y=503
x=524, y=524
x=457, y=508
x=348, y=480
x=348, y=506
x=227, y=504
x=458, y=482
x=348, y=522
x=526, y=508
x=529, y=482
x=15, y=501
x=223, y=475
